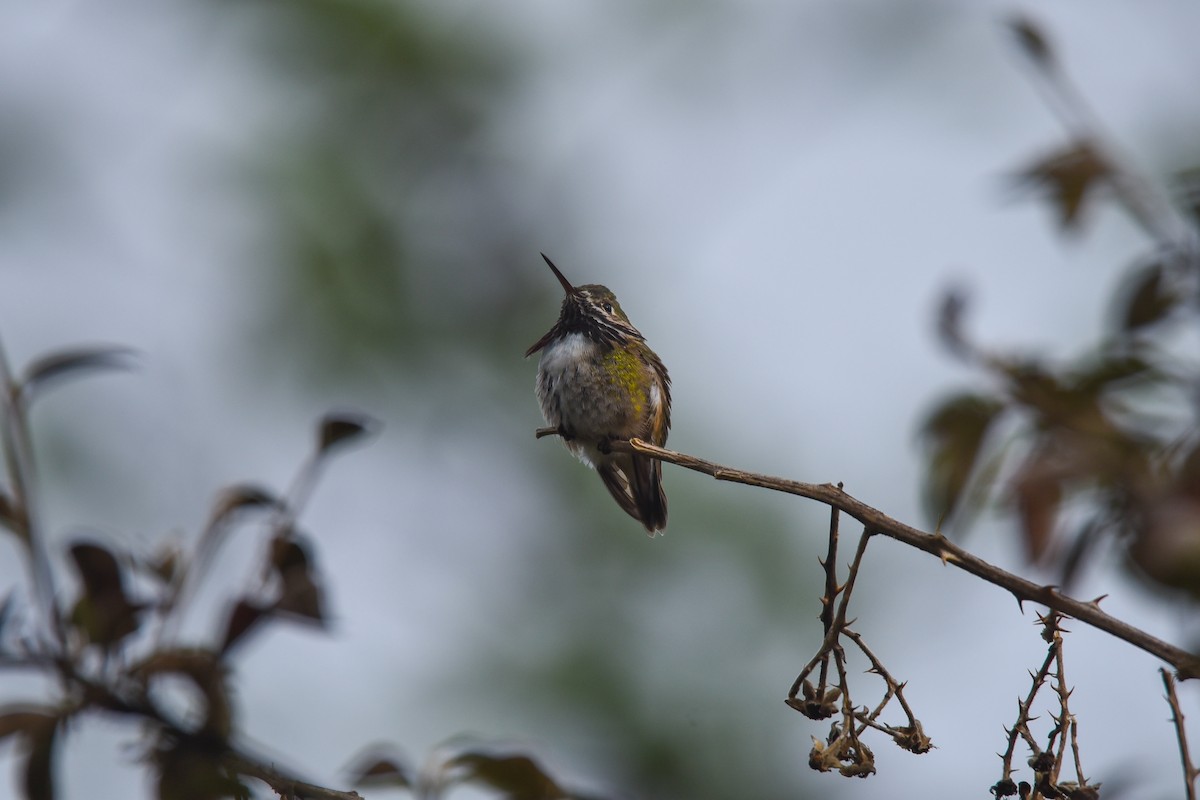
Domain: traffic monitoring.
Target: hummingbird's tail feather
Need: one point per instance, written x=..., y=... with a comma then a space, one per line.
x=635, y=483
x=646, y=483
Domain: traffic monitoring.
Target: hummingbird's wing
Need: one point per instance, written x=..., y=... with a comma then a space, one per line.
x=635, y=482
x=646, y=473
x=618, y=486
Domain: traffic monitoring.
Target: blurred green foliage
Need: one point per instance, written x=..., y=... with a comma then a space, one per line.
x=393, y=233
x=399, y=250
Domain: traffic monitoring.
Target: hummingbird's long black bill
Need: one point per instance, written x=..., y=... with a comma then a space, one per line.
x=553, y=332
x=566, y=284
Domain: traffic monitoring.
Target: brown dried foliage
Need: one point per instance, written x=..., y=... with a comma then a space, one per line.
x=112, y=649
x=116, y=652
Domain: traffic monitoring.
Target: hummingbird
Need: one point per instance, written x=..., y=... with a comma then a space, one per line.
x=598, y=382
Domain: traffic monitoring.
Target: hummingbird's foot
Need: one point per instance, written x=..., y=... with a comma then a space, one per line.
x=605, y=445
x=542, y=433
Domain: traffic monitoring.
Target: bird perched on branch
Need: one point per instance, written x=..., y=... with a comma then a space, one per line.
x=597, y=382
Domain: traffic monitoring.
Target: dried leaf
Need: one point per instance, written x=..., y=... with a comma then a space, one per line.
x=103, y=612
x=39, y=759
x=384, y=772
x=1032, y=385
x=1109, y=371
x=1082, y=546
x=37, y=728
x=1038, y=492
x=189, y=769
x=98, y=568
x=165, y=565
x=517, y=776
x=1147, y=298
x=1006, y=787
x=911, y=737
x=1068, y=177
x=381, y=768
x=62, y=364
x=1071, y=790
x=238, y=497
x=242, y=618
x=300, y=593
x=301, y=597
x=195, y=662
x=949, y=321
x=1032, y=41
x=1187, y=474
x=288, y=553
x=229, y=501
x=336, y=429
x=12, y=517
x=954, y=434
x=5, y=610
x=24, y=720
x=821, y=757
x=1072, y=401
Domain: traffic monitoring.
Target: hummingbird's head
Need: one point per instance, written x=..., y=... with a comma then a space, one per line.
x=592, y=310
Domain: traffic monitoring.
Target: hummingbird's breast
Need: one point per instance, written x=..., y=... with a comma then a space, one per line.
x=592, y=390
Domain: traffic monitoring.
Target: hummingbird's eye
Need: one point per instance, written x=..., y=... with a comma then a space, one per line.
x=608, y=308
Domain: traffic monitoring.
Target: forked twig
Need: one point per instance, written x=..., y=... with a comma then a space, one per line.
x=911, y=736
x=1046, y=763
x=1190, y=772
x=1187, y=665
x=1067, y=727
x=843, y=750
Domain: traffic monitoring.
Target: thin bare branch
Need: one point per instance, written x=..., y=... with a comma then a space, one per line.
x=1187, y=665
x=830, y=566
x=285, y=785
x=836, y=621
x=1189, y=771
x=911, y=736
x=1068, y=727
x=843, y=749
x=851, y=578
x=19, y=465
x=831, y=587
x=1020, y=728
